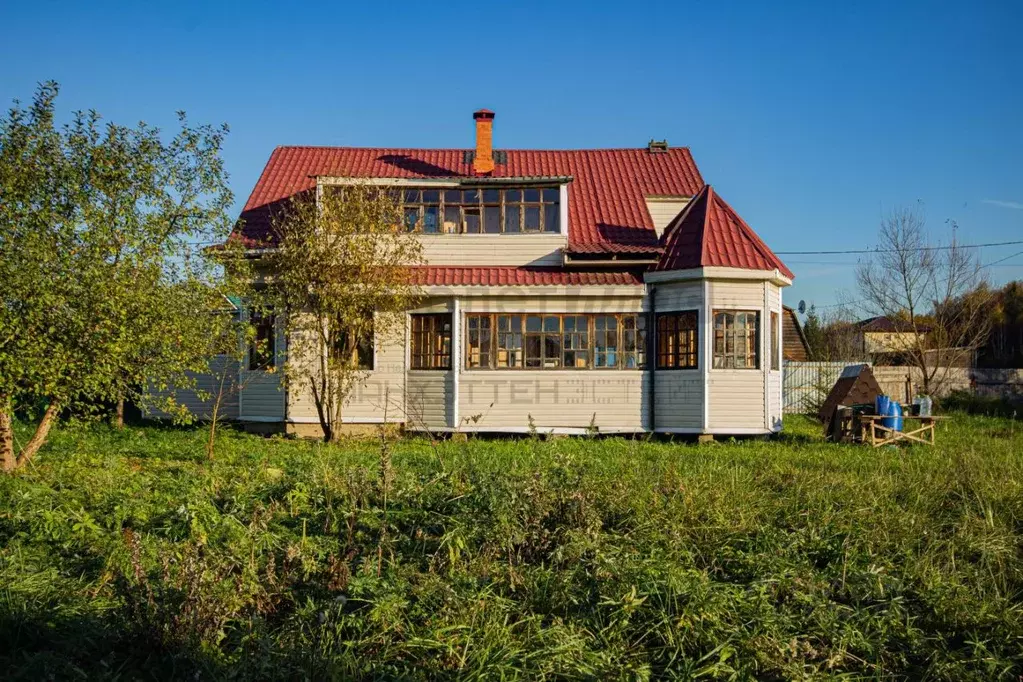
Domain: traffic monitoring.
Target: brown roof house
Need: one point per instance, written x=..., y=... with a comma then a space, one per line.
x=605, y=286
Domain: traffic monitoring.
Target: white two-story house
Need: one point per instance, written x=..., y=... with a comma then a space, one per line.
x=564, y=289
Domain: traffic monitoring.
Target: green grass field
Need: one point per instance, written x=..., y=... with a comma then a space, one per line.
x=128, y=554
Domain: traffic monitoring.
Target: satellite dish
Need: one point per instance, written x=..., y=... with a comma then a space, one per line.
x=802, y=307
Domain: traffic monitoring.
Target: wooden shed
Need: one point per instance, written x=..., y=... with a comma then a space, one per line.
x=856, y=386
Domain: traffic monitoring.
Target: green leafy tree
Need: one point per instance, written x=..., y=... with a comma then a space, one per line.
x=339, y=278
x=108, y=291
x=813, y=330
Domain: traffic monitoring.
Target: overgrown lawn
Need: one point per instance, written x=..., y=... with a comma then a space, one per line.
x=129, y=554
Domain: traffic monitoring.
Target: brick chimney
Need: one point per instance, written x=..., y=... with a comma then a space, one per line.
x=483, y=161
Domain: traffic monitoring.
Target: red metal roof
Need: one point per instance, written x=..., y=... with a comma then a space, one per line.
x=521, y=276
x=607, y=211
x=708, y=232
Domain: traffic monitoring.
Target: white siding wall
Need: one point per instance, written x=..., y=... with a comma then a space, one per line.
x=737, y=398
x=679, y=296
x=774, y=404
x=679, y=393
x=613, y=400
x=493, y=249
x=679, y=399
x=209, y=383
x=262, y=395
x=378, y=396
x=429, y=399
x=663, y=210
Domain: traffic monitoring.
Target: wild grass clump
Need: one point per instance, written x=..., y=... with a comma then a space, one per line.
x=131, y=554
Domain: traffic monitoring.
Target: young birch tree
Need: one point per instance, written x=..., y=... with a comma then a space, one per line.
x=939, y=290
x=338, y=278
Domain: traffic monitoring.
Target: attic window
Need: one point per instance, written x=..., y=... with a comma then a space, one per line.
x=657, y=146
x=486, y=210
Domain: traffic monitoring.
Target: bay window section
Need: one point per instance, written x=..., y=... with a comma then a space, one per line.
x=431, y=341
x=736, y=334
x=677, y=340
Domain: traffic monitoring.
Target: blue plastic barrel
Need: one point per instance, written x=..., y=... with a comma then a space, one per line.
x=883, y=407
x=897, y=414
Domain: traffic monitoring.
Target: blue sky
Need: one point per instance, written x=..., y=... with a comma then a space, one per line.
x=812, y=119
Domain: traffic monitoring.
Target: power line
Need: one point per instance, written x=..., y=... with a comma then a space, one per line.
x=985, y=265
x=893, y=251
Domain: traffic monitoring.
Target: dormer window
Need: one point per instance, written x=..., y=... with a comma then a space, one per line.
x=482, y=211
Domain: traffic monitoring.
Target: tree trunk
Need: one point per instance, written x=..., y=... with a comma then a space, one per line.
x=7, y=459
x=12, y=461
x=119, y=414
x=39, y=437
x=213, y=428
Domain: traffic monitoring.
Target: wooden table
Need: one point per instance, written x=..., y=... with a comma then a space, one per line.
x=883, y=435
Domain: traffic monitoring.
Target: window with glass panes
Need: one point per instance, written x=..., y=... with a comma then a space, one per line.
x=482, y=210
x=537, y=341
x=774, y=343
x=354, y=350
x=677, y=340
x=736, y=339
x=431, y=341
x=478, y=340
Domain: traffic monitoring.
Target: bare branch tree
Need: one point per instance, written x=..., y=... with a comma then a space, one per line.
x=939, y=292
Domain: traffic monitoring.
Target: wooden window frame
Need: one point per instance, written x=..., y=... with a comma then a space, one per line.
x=678, y=340
x=363, y=356
x=486, y=349
x=545, y=206
x=502, y=340
x=430, y=333
x=719, y=352
x=265, y=360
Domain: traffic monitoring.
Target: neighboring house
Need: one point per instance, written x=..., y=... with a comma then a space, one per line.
x=563, y=288
x=881, y=335
x=794, y=345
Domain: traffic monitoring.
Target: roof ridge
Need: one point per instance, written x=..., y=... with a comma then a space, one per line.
x=466, y=149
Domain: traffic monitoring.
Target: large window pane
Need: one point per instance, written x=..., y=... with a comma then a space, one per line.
x=605, y=341
x=736, y=339
x=509, y=341
x=477, y=341
x=532, y=222
x=551, y=218
x=512, y=219
x=472, y=220
x=431, y=341
x=430, y=225
x=575, y=341
x=492, y=219
x=452, y=219
x=677, y=340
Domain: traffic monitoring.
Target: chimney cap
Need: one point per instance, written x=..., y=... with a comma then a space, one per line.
x=656, y=146
x=486, y=114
